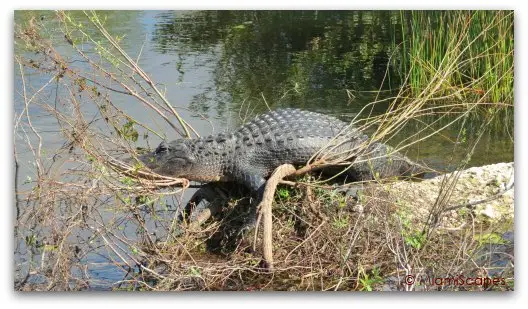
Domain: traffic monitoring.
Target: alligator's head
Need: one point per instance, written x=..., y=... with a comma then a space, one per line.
x=171, y=159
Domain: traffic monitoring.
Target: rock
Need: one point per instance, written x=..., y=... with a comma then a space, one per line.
x=358, y=208
x=474, y=184
x=489, y=212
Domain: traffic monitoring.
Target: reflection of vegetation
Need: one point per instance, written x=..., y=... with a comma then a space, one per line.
x=308, y=55
x=315, y=55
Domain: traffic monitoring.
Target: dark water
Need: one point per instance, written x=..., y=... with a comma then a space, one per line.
x=219, y=63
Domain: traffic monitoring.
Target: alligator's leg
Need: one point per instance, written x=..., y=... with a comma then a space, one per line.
x=353, y=191
x=250, y=220
x=257, y=184
x=352, y=188
x=205, y=202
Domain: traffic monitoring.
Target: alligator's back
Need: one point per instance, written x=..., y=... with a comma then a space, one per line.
x=291, y=136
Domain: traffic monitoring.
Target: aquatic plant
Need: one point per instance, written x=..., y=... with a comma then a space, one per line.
x=479, y=43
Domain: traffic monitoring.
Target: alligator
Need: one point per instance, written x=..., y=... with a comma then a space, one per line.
x=251, y=153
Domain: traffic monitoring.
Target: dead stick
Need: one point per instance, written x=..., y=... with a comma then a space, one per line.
x=265, y=208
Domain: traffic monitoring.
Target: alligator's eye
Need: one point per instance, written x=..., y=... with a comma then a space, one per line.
x=163, y=147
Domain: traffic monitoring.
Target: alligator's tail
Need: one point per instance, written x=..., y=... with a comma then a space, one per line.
x=380, y=161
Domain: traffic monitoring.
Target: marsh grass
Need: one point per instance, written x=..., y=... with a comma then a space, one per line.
x=483, y=56
x=84, y=199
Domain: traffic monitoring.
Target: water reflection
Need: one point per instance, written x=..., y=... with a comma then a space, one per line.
x=294, y=58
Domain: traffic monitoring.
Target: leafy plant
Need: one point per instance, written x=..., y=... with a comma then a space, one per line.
x=368, y=281
x=490, y=238
x=341, y=222
x=415, y=240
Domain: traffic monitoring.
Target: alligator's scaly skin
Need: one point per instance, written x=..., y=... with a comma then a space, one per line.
x=251, y=153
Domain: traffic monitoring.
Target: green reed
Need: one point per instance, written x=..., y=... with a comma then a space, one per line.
x=473, y=48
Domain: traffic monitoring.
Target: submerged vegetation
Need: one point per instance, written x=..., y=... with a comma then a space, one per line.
x=85, y=206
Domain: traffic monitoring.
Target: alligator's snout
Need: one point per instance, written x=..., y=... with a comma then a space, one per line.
x=151, y=159
x=172, y=159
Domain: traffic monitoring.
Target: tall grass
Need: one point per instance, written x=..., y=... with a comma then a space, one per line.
x=480, y=42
